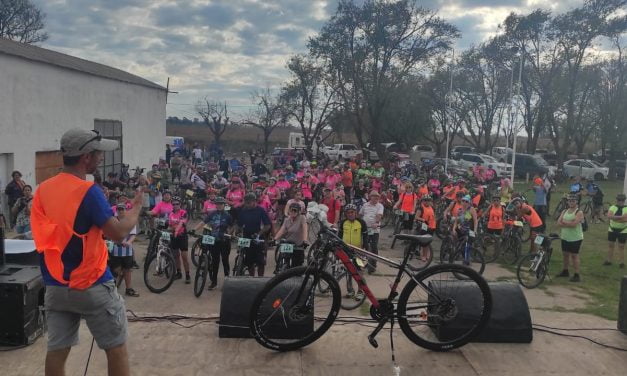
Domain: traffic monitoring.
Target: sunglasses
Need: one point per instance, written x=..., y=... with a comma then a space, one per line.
x=572, y=200
x=295, y=210
x=98, y=137
x=176, y=203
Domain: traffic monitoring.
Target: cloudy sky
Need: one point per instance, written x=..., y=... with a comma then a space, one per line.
x=225, y=49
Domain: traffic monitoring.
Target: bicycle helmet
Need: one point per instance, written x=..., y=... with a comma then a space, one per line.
x=250, y=197
x=219, y=201
x=466, y=198
x=156, y=175
x=176, y=199
x=295, y=205
x=427, y=198
x=349, y=207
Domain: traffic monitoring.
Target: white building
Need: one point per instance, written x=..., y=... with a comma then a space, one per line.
x=43, y=93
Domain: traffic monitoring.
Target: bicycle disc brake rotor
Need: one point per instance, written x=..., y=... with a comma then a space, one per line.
x=298, y=313
x=447, y=310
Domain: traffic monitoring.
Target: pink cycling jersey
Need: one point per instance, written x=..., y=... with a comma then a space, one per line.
x=163, y=209
x=283, y=185
x=236, y=197
x=176, y=219
x=208, y=206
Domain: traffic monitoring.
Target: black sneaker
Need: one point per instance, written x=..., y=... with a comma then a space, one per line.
x=575, y=278
x=213, y=285
x=188, y=280
x=178, y=275
x=564, y=273
x=135, y=265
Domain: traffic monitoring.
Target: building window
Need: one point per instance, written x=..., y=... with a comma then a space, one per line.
x=111, y=129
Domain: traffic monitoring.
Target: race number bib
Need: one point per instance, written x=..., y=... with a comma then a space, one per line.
x=539, y=240
x=227, y=208
x=161, y=222
x=243, y=243
x=165, y=235
x=208, y=240
x=189, y=192
x=360, y=262
x=424, y=227
x=471, y=233
x=518, y=223
x=286, y=248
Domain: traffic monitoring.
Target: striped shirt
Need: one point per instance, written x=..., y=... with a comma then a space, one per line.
x=122, y=251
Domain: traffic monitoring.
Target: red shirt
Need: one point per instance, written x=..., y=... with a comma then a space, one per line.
x=333, y=205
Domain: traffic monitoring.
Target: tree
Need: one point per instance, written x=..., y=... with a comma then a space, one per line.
x=269, y=114
x=368, y=51
x=575, y=33
x=21, y=21
x=483, y=89
x=308, y=99
x=215, y=115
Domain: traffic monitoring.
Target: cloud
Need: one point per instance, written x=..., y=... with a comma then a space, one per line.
x=225, y=49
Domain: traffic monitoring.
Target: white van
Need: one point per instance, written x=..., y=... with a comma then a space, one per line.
x=501, y=153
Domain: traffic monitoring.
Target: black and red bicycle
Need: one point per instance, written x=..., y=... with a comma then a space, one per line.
x=290, y=312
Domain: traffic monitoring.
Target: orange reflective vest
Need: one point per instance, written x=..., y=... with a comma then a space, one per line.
x=495, y=218
x=55, y=206
x=533, y=218
x=428, y=215
x=457, y=209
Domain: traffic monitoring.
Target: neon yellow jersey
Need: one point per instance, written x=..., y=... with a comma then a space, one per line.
x=352, y=233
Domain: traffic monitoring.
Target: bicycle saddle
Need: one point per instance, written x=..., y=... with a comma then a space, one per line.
x=423, y=240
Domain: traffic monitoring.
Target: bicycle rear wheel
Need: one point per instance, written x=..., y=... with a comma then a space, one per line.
x=429, y=303
x=531, y=271
x=281, y=314
x=159, y=272
x=474, y=260
x=239, y=267
x=202, y=271
x=512, y=250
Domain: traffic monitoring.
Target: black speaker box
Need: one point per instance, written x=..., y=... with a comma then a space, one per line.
x=238, y=294
x=622, y=306
x=21, y=296
x=510, y=321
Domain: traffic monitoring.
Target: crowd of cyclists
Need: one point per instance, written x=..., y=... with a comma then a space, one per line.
x=266, y=197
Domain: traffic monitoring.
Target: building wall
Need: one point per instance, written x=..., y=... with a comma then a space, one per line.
x=39, y=102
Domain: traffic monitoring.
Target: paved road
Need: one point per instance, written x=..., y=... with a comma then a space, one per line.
x=162, y=348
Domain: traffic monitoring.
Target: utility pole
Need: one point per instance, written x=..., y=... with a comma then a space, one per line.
x=515, y=120
x=447, y=105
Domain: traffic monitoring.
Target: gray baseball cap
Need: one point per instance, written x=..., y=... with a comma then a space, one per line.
x=80, y=141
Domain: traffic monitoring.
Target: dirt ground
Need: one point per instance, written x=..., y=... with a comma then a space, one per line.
x=163, y=348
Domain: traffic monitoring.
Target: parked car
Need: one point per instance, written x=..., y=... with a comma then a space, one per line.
x=457, y=151
x=500, y=153
x=470, y=160
x=530, y=164
x=338, y=151
x=400, y=151
x=619, y=166
x=418, y=152
x=585, y=168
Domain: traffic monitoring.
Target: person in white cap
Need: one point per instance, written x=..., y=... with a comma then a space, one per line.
x=69, y=218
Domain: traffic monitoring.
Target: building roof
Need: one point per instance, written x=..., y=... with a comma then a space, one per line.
x=42, y=55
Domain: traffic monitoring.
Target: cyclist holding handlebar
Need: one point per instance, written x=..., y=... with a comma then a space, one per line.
x=253, y=219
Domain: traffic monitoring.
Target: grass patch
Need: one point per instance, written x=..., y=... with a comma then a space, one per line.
x=600, y=284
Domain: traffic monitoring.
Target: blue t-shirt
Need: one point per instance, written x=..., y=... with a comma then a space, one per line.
x=219, y=221
x=93, y=211
x=540, y=199
x=251, y=220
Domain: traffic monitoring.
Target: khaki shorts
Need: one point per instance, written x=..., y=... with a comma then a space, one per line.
x=100, y=305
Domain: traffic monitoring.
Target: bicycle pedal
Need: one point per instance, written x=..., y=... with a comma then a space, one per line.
x=373, y=342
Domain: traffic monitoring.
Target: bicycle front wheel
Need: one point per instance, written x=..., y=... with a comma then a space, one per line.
x=202, y=271
x=491, y=247
x=352, y=297
x=286, y=315
x=531, y=271
x=196, y=252
x=419, y=257
x=159, y=272
x=473, y=260
x=430, y=307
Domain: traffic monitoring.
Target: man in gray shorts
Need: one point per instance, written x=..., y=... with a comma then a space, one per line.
x=69, y=218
